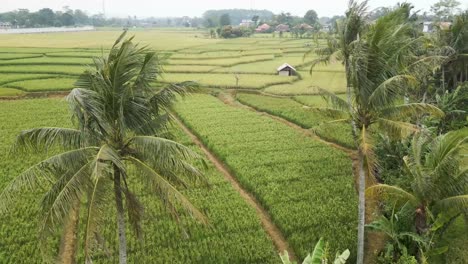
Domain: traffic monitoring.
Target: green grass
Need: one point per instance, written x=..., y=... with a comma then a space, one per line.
x=269, y=66
x=158, y=39
x=12, y=77
x=315, y=100
x=332, y=81
x=10, y=56
x=189, y=68
x=302, y=115
x=48, y=60
x=49, y=69
x=235, y=235
x=54, y=84
x=10, y=92
x=246, y=81
x=222, y=61
x=306, y=186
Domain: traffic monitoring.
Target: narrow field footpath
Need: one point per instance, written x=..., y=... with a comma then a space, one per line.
x=229, y=99
x=272, y=230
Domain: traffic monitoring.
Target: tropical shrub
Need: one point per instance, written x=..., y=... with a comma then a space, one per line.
x=320, y=255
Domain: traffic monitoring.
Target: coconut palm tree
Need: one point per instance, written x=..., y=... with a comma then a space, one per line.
x=438, y=191
x=439, y=178
x=117, y=141
x=382, y=62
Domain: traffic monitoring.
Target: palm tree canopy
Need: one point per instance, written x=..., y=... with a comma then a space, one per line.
x=438, y=172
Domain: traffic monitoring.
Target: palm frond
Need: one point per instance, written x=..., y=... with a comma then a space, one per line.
x=397, y=129
x=163, y=99
x=330, y=112
x=390, y=88
x=410, y=110
x=392, y=193
x=44, y=173
x=42, y=139
x=135, y=212
x=64, y=193
x=166, y=154
x=459, y=203
x=168, y=193
x=336, y=102
x=366, y=147
x=100, y=186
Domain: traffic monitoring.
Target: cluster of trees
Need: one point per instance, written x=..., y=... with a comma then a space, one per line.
x=46, y=17
x=227, y=26
x=213, y=18
x=406, y=103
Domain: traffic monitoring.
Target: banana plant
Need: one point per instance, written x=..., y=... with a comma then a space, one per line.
x=318, y=256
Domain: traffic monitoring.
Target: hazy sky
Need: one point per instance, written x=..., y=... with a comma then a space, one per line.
x=165, y=8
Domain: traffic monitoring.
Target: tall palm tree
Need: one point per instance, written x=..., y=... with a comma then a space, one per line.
x=439, y=178
x=118, y=118
x=382, y=61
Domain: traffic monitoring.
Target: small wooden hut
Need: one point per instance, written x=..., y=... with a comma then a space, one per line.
x=286, y=70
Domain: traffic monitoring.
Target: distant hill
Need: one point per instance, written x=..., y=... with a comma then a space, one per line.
x=237, y=15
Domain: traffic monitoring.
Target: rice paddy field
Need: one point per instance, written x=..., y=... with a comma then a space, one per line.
x=304, y=185
x=51, y=62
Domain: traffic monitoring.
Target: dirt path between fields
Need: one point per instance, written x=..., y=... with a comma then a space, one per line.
x=272, y=230
x=229, y=99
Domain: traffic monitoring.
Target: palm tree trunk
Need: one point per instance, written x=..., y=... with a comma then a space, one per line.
x=120, y=218
x=361, y=210
x=68, y=245
x=350, y=106
x=362, y=178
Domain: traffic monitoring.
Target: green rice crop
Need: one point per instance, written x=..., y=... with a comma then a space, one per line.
x=246, y=81
x=332, y=81
x=222, y=62
x=10, y=92
x=235, y=234
x=189, y=68
x=302, y=115
x=269, y=66
x=11, y=56
x=55, y=84
x=314, y=100
x=13, y=77
x=158, y=39
x=49, y=69
x=48, y=60
x=306, y=186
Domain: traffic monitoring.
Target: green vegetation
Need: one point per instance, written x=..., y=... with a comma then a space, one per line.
x=302, y=115
x=306, y=186
x=54, y=84
x=10, y=92
x=329, y=80
x=244, y=81
x=384, y=83
x=235, y=232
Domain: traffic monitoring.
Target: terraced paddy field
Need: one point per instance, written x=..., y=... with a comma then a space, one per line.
x=247, y=63
x=303, y=186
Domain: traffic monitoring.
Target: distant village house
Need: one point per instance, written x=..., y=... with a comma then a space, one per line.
x=282, y=28
x=262, y=28
x=286, y=70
